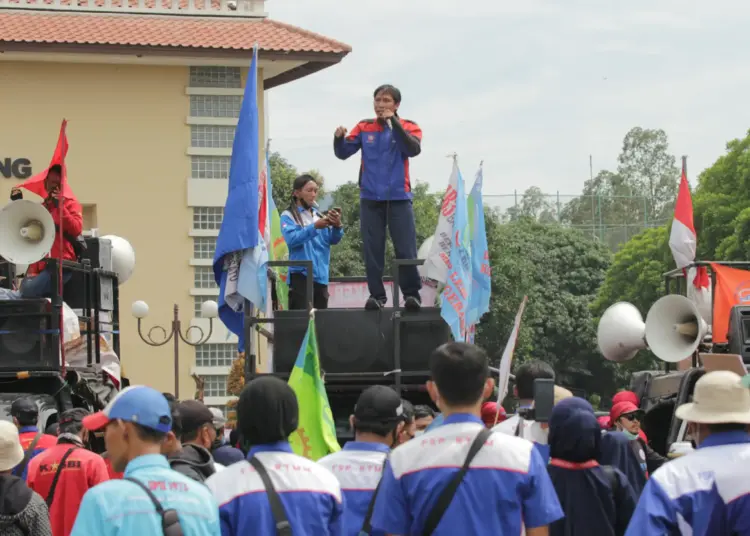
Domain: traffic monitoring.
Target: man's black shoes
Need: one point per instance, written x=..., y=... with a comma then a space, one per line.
x=374, y=304
x=412, y=304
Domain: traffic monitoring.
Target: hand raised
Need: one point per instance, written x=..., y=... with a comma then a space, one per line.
x=340, y=132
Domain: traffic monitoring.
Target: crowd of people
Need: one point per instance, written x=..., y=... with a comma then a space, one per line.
x=170, y=468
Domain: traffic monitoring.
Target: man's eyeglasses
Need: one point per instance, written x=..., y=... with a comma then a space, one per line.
x=634, y=417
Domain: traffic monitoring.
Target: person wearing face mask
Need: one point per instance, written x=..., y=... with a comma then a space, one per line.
x=626, y=417
x=377, y=423
x=71, y=466
x=194, y=458
x=309, y=236
x=424, y=415
x=409, y=429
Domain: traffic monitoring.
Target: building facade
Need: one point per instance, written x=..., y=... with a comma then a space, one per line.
x=151, y=92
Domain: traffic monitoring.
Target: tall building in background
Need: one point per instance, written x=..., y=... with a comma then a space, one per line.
x=152, y=92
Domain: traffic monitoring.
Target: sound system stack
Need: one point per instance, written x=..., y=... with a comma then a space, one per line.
x=357, y=342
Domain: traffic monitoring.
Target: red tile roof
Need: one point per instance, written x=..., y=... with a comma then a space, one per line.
x=146, y=30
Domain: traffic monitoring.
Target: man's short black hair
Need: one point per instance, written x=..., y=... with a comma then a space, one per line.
x=388, y=89
x=408, y=415
x=174, y=409
x=169, y=396
x=460, y=371
x=382, y=429
x=149, y=435
x=527, y=373
x=422, y=411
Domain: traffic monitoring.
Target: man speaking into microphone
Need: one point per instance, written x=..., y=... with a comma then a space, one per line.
x=387, y=142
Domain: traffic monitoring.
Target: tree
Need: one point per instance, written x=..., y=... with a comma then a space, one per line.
x=559, y=269
x=722, y=206
x=614, y=207
x=282, y=180
x=636, y=276
x=534, y=205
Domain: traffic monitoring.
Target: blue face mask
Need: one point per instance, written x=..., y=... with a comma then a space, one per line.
x=630, y=435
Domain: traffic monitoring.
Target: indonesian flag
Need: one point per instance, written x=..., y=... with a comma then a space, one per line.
x=683, y=242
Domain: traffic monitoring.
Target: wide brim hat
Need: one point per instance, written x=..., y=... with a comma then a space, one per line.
x=719, y=397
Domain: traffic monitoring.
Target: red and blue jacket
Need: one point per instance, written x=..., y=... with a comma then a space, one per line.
x=384, y=173
x=26, y=435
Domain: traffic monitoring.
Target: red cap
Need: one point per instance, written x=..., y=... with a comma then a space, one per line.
x=625, y=396
x=620, y=409
x=489, y=411
x=604, y=422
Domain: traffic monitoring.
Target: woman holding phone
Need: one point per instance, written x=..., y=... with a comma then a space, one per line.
x=309, y=236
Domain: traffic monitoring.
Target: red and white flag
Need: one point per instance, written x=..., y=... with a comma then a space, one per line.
x=683, y=241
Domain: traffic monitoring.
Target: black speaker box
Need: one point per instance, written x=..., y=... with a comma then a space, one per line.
x=7, y=274
x=27, y=336
x=738, y=332
x=359, y=341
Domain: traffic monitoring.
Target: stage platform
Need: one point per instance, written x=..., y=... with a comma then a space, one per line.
x=359, y=343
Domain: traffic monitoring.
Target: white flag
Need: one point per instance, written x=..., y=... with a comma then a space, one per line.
x=437, y=262
x=507, y=359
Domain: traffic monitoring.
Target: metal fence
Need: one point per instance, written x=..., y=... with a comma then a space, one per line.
x=612, y=220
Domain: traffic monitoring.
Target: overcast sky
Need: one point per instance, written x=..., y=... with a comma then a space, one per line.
x=531, y=87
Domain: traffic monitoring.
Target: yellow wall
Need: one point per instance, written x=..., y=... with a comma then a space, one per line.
x=128, y=139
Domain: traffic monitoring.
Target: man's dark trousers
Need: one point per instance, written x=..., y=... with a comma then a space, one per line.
x=399, y=217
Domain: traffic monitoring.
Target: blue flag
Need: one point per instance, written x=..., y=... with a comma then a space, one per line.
x=481, y=285
x=238, y=244
x=457, y=291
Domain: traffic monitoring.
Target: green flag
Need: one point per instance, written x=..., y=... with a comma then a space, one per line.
x=316, y=435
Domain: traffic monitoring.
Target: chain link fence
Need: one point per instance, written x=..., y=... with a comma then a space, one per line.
x=612, y=220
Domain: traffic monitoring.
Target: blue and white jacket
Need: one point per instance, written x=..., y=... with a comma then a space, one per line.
x=305, y=242
x=704, y=493
x=311, y=495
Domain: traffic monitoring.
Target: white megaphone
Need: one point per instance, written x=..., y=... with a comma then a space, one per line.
x=27, y=232
x=621, y=332
x=123, y=257
x=674, y=328
x=423, y=253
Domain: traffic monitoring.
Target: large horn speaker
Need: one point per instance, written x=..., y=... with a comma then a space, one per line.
x=27, y=232
x=674, y=328
x=123, y=258
x=621, y=332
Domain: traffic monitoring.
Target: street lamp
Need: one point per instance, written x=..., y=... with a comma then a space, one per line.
x=209, y=309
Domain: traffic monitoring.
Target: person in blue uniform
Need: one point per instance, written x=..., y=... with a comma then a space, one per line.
x=309, y=235
x=310, y=495
x=377, y=423
x=705, y=492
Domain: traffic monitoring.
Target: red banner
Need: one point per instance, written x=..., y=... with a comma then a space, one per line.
x=732, y=287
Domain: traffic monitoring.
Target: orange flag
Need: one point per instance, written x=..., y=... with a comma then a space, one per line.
x=732, y=288
x=35, y=184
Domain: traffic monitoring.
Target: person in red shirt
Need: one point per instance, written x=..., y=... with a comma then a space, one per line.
x=78, y=470
x=25, y=414
x=67, y=214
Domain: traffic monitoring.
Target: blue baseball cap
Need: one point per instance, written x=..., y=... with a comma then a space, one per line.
x=137, y=404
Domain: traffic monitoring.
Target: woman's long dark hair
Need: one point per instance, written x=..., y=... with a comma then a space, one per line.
x=298, y=184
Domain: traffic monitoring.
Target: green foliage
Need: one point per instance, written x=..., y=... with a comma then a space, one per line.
x=636, y=276
x=722, y=206
x=617, y=206
x=559, y=269
x=282, y=179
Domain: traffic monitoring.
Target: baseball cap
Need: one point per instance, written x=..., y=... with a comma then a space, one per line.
x=24, y=407
x=378, y=403
x=137, y=404
x=193, y=415
x=219, y=419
